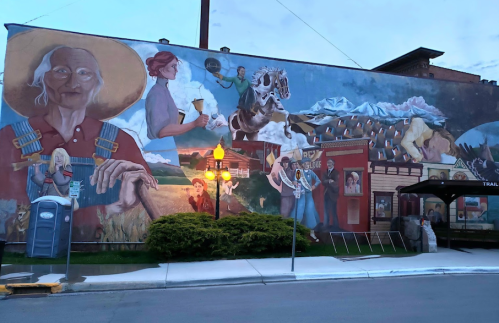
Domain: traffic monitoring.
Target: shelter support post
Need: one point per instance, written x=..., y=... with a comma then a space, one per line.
x=448, y=225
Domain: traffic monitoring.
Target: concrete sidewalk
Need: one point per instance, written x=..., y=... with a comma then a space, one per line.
x=245, y=271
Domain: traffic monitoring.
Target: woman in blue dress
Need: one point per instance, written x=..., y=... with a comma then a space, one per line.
x=305, y=206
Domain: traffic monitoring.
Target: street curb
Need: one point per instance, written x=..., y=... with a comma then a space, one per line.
x=112, y=286
x=6, y=290
x=332, y=276
x=471, y=270
x=279, y=278
x=405, y=272
x=215, y=282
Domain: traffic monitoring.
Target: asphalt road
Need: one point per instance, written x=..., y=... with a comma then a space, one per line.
x=446, y=298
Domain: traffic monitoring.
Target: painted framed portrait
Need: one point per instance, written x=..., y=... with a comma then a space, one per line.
x=460, y=176
x=353, y=184
x=440, y=174
x=435, y=210
x=383, y=206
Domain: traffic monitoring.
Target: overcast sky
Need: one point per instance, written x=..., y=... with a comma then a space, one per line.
x=371, y=32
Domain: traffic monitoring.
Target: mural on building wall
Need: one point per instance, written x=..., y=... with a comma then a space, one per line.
x=136, y=122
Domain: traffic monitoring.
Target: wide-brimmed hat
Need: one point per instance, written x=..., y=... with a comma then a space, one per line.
x=121, y=69
x=284, y=159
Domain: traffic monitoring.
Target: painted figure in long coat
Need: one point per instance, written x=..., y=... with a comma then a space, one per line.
x=286, y=176
x=330, y=180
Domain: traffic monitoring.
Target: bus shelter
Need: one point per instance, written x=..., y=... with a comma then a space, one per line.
x=449, y=190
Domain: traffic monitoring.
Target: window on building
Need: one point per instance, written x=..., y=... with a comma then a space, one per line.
x=432, y=76
x=383, y=206
x=233, y=165
x=472, y=213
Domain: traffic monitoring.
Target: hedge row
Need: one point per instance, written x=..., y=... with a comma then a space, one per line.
x=196, y=234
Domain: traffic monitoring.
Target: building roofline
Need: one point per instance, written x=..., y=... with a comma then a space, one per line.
x=6, y=25
x=419, y=52
x=450, y=69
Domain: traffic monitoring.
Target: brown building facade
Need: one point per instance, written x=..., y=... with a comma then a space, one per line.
x=417, y=63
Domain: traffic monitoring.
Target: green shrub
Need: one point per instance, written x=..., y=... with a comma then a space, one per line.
x=187, y=234
x=194, y=234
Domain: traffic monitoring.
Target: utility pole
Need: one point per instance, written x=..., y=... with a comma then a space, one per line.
x=204, y=24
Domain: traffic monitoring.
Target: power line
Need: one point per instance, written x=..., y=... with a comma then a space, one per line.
x=51, y=12
x=318, y=33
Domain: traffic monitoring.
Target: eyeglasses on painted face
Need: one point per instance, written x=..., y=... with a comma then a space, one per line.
x=82, y=74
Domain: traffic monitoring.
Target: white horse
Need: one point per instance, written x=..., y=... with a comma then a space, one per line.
x=243, y=123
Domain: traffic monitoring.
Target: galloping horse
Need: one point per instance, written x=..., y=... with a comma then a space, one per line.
x=243, y=123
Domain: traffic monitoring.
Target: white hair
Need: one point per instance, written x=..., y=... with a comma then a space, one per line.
x=46, y=66
x=264, y=70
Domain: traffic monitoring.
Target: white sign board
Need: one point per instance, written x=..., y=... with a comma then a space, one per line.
x=74, y=189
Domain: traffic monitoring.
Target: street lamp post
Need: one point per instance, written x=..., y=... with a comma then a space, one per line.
x=218, y=154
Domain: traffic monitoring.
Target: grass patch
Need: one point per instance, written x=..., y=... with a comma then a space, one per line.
x=145, y=257
x=172, y=180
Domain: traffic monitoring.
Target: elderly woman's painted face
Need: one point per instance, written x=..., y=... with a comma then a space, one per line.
x=198, y=188
x=170, y=70
x=72, y=81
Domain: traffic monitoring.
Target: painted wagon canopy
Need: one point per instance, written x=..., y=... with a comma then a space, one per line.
x=449, y=190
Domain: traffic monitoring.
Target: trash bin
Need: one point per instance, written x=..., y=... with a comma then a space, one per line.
x=48, y=231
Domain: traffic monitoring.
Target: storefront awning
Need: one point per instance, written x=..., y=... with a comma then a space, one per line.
x=450, y=190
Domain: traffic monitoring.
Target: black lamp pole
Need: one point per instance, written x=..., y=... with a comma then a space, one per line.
x=217, y=208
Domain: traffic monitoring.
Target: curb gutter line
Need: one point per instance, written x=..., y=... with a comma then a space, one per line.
x=9, y=289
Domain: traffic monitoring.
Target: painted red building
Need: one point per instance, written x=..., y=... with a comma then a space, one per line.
x=259, y=150
x=349, y=156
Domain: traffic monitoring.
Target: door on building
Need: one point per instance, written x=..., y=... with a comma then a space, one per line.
x=409, y=204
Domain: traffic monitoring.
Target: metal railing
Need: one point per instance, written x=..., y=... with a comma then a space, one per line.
x=236, y=172
x=372, y=234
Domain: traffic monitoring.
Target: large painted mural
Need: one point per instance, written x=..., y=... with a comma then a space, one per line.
x=136, y=122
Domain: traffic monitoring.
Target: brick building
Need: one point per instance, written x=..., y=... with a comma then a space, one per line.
x=417, y=63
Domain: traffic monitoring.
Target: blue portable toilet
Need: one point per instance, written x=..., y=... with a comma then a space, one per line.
x=48, y=231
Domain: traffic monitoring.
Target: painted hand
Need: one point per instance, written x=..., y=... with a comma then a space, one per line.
x=128, y=196
x=274, y=176
x=130, y=174
x=220, y=76
x=202, y=120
